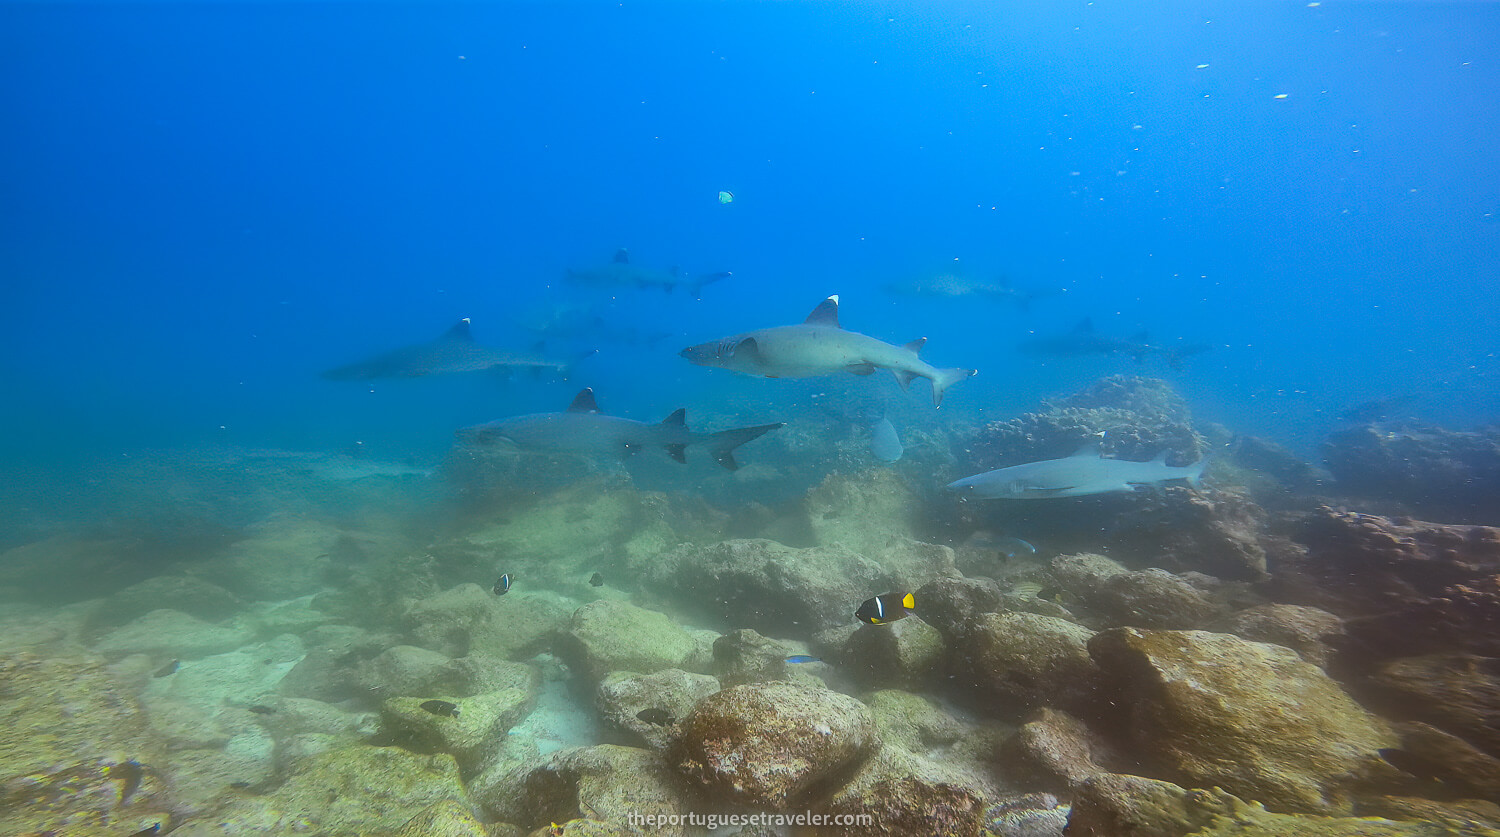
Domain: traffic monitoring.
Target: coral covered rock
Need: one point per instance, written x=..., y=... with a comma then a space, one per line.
x=773, y=744
x=1215, y=710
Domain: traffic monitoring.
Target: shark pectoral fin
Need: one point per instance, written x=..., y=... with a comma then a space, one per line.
x=677, y=452
x=748, y=348
x=903, y=377
x=860, y=369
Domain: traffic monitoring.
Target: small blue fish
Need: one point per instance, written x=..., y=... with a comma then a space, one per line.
x=502, y=586
x=803, y=658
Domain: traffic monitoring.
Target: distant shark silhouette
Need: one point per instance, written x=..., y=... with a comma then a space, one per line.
x=956, y=286
x=455, y=351
x=1083, y=341
x=621, y=272
x=1083, y=473
x=584, y=431
x=818, y=346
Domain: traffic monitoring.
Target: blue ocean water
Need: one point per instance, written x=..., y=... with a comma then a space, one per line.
x=206, y=204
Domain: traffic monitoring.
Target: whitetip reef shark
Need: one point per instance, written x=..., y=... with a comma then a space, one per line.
x=584, y=431
x=818, y=346
x=1085, y=472
x=621, y=272
x=455, y=351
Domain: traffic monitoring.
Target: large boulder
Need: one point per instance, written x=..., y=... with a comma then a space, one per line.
x=900, y=655
x=773, y=744
x=466, y=732
x=1307, y=630
x=1024, y=661
x=608, y=635
x=469, y=619
x=607, y=784
x=779, y=589
x=666, y=697
x=1458, y=693
x=904, y=794
x=1212, y=710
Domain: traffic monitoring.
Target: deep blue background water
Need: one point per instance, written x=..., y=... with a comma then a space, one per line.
x=206, y=204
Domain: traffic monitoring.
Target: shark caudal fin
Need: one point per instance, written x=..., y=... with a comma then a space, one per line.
x=695, y=285
x=723, y=443
x=947, y=378
x=1194, y=475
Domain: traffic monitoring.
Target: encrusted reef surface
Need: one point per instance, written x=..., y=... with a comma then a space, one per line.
x=1169, y=662
x=1447, y=474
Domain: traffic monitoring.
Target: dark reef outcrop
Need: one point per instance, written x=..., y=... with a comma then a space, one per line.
x=1446, y=474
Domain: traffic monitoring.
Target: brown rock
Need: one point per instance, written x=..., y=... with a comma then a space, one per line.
x=1458, y=693
x=773, y=744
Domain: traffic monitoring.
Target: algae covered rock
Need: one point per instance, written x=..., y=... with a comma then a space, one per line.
x=408, y=670
x=464, y=731
x=902, y=654
x=745, y=656
x=913, y=722
x=905, y=794
x=1457, y=693
x=1054, y=751
x=1255, y=719
x=286, y=558
x=779, y=589
x=469, y=619
x=772, y=744
x=1026, y=661
x=667, y=695
x=1122, y=805
x=443, y=819
x=607, y=636
x=1306, y=630
x=604, y=783
x=74, y=747
x=348, y=792
x=171, y=633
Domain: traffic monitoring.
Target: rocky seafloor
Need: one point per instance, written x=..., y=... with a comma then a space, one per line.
x=1261, y=656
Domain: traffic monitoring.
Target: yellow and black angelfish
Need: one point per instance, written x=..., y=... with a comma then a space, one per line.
x=886, y=608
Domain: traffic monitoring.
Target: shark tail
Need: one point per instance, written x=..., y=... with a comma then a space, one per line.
x=695, y=285
x=723, y=443
x=947, y=378
x=1194, y=474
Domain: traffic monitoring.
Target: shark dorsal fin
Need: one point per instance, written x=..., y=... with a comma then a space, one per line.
x=826, y=314
x=1085, y=326
x=583, y=402
x=460, y=331
x=622, y=256
x=915, y=346
x=678, y=418
x=1090, y=450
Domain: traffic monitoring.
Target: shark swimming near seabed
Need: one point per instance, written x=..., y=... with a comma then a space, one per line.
x=1083, y=341
x=956, y=286
x=818, y=346
x=1085, y=472
x=584, y=431
x=621, y=273
x=453, y=352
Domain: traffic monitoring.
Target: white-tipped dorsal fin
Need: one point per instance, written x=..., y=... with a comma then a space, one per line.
x=459, y=331
x=583, y=402
x=827, y=313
